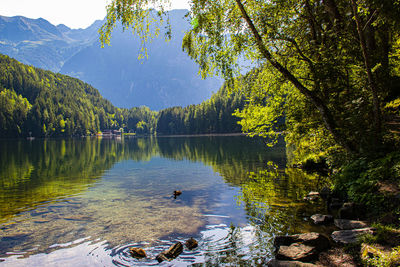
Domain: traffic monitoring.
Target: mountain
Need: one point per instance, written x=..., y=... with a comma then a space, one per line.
x=41, y=44
x=167, y=78
x=50, y=104
x=44, y=103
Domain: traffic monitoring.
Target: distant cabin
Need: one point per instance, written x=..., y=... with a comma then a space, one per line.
x=111, y=133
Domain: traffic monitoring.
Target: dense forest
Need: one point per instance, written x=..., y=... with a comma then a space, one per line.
x=211, y=116
x=46, y=104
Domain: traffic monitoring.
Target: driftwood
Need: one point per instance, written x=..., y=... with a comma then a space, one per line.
x=171, y=253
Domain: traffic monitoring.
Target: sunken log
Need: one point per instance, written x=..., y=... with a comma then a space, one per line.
x=174, y=251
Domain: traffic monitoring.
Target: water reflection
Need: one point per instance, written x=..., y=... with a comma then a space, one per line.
x=72, y=197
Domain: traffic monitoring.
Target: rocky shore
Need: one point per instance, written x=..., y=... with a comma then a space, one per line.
x=316, y=249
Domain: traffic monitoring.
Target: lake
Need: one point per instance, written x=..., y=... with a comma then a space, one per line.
x=84, y=202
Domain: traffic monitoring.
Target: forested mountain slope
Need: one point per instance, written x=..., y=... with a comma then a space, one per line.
x=211, y=116
x=42, y=103
x=50, y=104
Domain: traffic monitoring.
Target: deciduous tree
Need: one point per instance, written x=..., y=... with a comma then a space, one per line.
x=324, y=65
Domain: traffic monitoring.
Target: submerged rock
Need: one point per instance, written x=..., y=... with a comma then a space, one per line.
x=174, y=251
x=322, y=219
x=137, y=252
x=350, y=236
x=191, y=243
x=345, y=224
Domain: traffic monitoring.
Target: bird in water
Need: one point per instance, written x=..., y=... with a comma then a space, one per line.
x=177, y=193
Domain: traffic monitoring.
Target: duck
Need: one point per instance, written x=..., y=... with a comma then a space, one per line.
x=177, y=193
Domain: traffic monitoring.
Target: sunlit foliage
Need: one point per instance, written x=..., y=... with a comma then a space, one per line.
x=327, y=67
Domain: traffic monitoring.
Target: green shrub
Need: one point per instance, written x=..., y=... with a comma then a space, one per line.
x=358, y=181
x=373, y=256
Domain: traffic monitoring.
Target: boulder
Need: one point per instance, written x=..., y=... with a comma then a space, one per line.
x=350, y=236
x=322, y=219
x=278, y=263
x=137, y=252
x=317, y=240
x=284, y=240
x=345, y=224
x=191, y=243
x=174, y=251
x=297, y=252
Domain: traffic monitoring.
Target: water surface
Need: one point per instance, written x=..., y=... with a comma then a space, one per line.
x=84, y=202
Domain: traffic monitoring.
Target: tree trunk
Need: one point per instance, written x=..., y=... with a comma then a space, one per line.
x=371, y=80
x=327, y=117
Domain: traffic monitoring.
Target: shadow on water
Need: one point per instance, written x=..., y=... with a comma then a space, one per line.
x=85, y=201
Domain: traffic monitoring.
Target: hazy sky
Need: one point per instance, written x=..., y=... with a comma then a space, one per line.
x=73, y=13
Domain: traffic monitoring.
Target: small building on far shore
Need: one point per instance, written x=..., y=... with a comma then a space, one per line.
x=110, y=133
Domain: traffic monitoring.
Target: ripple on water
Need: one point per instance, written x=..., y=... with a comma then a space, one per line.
x=218, y=245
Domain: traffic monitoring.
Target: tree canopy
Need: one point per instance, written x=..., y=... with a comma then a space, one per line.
x=328, y=66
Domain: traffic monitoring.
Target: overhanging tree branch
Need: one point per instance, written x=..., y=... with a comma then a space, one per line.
x=327, y=117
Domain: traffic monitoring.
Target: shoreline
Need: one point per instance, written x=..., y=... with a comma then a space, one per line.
x=199, y=135
x=136, y=136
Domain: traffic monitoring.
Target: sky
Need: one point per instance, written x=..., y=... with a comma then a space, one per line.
x=73, y=13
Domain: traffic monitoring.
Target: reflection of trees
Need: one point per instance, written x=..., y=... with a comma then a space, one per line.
x=273, y=199
x=32, y=173
x=44, y=170
x=231, y=157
